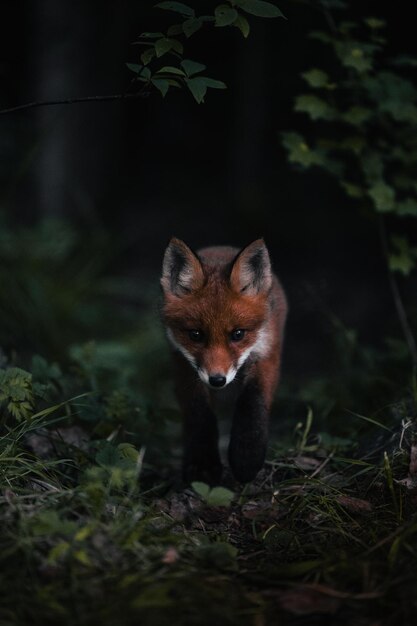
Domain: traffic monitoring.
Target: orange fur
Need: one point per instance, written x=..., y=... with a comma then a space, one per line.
x=215, y=292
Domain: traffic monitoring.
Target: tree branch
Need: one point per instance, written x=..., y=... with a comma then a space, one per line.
x=45, y=103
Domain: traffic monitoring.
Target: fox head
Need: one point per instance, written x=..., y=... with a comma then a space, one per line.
x=216, y=306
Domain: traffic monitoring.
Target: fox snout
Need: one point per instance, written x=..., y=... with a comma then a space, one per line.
x=216, y=378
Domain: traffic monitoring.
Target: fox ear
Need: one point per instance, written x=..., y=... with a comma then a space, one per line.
x=181, y=269
x=251, y=271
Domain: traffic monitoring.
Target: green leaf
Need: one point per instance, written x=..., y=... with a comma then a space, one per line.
x=161, y=84
x=202, y=489
x=225, y=15
x=219, y=496
x=374, y=22
x=372, y=166
x=404, y=260
x=354, y=191
x=177, y=46
x=16, y=392
x=198, y=86
x=407, y=207
x=243, y=25
x=175, y=29
x=170, y=69
x=42, y=371
x=49, y=523
x=162, y=46
x=259, y=8
x=128, y=451
x=147, y=56
x=177, y=7
x=401, y=263
x=82, y=557
x=390, y=87
x=107, y=456
x=214, y=84
x=315, y=107
x=354, y=144
x=151, y=35
x=400, y=111
x=192, y=67
x=134, y=67
x=356, y=55
x=59, y=551
x=299, y=152
x=316, y=78
x=192, y=25
x=357, y=115
x=145, y=74
x=383, y=196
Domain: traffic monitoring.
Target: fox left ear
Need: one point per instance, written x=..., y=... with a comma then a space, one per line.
x=251, y=272
x=181, y=269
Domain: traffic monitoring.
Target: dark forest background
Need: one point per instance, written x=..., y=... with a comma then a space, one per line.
x=141, y=171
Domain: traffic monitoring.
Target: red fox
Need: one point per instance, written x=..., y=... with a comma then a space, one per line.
x=224, y=312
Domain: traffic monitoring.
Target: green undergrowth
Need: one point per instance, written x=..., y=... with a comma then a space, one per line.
x=97, y=528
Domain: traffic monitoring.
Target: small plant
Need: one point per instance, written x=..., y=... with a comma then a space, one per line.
x=16, y=392
x=215, y=496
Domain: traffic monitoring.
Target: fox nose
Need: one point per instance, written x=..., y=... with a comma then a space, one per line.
x=217, y=380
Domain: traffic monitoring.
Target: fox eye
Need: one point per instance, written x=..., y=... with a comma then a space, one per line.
x=196, y=335
x=237, y=334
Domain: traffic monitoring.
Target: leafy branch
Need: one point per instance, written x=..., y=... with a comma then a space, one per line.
x=182, y=72
x=185, y=72
x=364, y=117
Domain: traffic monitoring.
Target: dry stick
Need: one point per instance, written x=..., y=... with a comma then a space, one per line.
x=409, y=337
x=43, y=103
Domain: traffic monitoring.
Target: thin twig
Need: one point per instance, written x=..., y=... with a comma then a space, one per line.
x=44, y=103
x=402, y=316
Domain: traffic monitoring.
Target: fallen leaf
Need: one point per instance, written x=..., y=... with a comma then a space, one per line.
x=410, y=482
x=306, y=462
x=171, y=556
x=73, y=436
x=253, y=509
x=413, y=461
x=302, y=601
x=356, y=505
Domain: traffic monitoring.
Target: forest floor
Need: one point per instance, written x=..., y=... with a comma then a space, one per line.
x=97, y=528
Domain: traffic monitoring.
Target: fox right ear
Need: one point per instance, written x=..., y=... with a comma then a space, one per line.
x=181, y=269
x=251, y=271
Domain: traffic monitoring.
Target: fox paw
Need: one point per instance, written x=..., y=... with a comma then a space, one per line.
x=205, y=474
x=245, y=465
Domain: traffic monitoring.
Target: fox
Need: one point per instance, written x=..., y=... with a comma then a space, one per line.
x=224, y=312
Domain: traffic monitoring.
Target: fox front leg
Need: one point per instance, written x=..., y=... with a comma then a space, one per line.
x=249, y=436
x=201, y=458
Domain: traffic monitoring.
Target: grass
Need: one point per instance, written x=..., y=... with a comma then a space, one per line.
x=95, y=530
